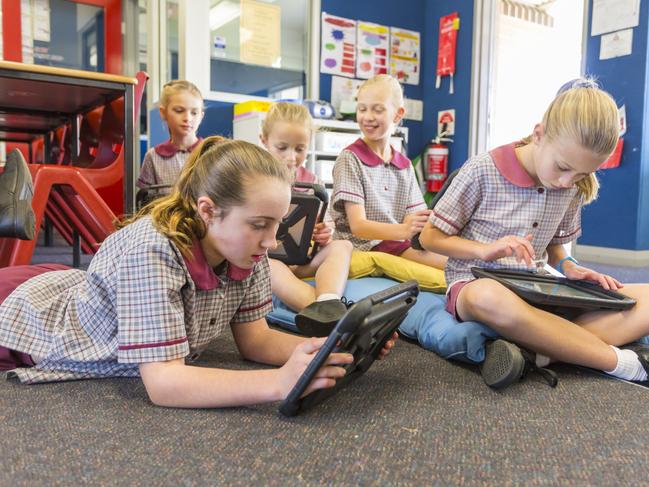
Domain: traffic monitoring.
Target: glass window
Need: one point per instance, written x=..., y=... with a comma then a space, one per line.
x=63, y=33
x=172, y=40
x=271, y=76
x=544, y=43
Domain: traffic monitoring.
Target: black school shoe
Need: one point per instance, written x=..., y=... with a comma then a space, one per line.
x=320, y=317
x=506, y=363
x=642, y=351
x=16, y=193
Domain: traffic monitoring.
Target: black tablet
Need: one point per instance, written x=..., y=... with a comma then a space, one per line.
x=308, y=207
x=362, y=331
x=558, y=295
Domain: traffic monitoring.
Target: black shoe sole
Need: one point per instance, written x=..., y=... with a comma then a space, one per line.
x=503, y=365
x=306, y=327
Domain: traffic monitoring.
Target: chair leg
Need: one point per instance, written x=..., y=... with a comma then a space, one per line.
x=76, y=250
x=49, y=232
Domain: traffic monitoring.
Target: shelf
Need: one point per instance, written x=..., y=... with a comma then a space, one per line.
x=320, y=153
x=336, y=124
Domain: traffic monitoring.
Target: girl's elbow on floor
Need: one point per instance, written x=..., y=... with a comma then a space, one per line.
x=158, y=384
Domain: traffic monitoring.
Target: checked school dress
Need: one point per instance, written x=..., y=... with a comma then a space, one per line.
x=387, y=190
x=492, y=197
x=140, y=301
x=162, y=165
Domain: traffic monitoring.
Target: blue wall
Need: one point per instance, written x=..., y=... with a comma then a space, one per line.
x=423, y=16
x=408, y=14
x=440, y=99
x=620, y=216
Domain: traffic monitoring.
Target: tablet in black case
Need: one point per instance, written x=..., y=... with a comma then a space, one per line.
x=362, y=331
x=308, y=207
x=558, y=295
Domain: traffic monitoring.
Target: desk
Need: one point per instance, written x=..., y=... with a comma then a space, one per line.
x=35, y=100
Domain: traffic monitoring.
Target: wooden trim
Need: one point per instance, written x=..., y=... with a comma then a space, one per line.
x=73, y=73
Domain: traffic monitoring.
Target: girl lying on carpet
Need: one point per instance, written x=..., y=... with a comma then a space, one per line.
x=165, y=285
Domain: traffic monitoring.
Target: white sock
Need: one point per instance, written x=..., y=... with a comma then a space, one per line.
x=628, y=366
x=542, y=360
x=327, y=297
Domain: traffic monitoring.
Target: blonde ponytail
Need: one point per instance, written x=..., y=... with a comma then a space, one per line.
x=588, y=115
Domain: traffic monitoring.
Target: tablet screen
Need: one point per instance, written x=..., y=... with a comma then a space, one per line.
x=554, y=289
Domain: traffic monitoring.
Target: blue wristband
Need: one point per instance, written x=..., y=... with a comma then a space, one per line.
x=559, y=266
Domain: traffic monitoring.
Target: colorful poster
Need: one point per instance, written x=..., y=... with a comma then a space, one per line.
x=404, y=55
x=372, y=50
x=338, y=49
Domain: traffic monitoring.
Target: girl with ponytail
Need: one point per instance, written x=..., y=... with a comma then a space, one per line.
x=516, y=207
x=164, y=286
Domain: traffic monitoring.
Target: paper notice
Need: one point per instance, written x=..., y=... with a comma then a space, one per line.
x=260, y=33
x=616, y=44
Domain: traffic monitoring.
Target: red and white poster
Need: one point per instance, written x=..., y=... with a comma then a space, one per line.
x=448, y=27
x=373, y=56
x=338, y=50
x=404, y=55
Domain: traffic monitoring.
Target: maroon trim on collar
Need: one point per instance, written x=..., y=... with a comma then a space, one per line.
x=371, y=159
x=303, y=175
x=238, y=273
x=169, y=149
x=203, y=275
x=510, y=167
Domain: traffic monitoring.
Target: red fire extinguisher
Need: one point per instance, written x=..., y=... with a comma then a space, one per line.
x=436, y=157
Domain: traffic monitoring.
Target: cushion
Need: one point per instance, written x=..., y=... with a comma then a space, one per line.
x=380, y=264
x=427, y=322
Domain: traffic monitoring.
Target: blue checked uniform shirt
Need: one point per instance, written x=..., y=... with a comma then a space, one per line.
x=493, y=196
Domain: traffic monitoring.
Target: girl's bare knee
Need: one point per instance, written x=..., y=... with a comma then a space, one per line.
x=489, y=301
x=341, y=246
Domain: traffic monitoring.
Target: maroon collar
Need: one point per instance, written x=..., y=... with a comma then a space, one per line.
x=169, y=149
x=371, y=159
x=510, y=167
x=204, y=276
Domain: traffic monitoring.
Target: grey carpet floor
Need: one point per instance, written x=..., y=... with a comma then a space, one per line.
x=414, y=419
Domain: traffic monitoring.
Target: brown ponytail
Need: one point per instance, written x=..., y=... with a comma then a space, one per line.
x=218, y=168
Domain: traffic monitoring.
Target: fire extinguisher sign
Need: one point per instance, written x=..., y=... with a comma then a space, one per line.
x=446, y=122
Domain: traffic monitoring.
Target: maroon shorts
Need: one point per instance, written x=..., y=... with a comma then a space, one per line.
x=10, y=279
x=451, y=298
x=394, y=247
